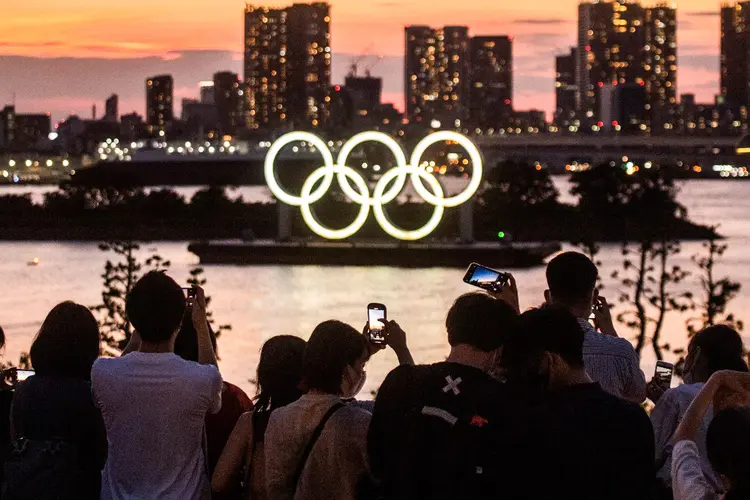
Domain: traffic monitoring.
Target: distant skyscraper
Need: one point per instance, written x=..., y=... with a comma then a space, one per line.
x=622, y=43
x=20, y=132
x=111, y=109
x=159, y=103
x=491, y=81
x=661, y=68
x=735, y=57
x=287, y=65
x=207, y=93
x=437, y=72
x=228, y=98
x=566, y=90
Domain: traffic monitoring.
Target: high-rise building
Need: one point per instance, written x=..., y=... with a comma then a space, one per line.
x=437, y=72
x=228, y=98
x=287, y=65
x=207, y=92
x=566, y=90
x=735, y=57
x=491, y=81
x=365, y=93
x=622, y=43
x=661, y=68
x=7, y=126
x=22, y=132
x=111, y=109
x=159, y=103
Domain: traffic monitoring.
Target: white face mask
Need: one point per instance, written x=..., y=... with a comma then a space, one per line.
x=353, y=383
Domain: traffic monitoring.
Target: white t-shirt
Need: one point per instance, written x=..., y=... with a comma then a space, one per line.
x=154, y=407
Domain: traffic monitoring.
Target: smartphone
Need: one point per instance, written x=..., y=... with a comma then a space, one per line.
x=189, y=295
x=663, y=374
x=22, y=375
x=376, y=327
x=485, y=278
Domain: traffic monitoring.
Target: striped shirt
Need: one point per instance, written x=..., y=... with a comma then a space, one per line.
x=613, y=363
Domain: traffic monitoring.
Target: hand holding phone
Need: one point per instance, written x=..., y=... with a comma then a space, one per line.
x=663, y=374
x=485, y=278
x=376, y=326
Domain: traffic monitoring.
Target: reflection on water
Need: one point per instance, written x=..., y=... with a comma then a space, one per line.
x=261, y=302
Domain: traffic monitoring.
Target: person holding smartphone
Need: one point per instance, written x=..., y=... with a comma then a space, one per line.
x=712, y=349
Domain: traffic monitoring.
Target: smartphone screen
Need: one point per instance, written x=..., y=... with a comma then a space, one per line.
x=484, y=277
x=189, y=294
x=22, y=375
x=664, y=373
x=375, y=313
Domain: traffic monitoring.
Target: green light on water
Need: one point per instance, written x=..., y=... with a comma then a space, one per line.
x=501, y=235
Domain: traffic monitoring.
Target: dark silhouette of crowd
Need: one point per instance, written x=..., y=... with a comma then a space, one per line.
x=542, y=404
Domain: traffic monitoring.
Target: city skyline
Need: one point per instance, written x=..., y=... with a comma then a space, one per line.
x=212, y=41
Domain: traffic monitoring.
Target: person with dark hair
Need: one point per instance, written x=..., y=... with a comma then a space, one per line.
x=727, y=441
x=578, y=441
x=712, y=349
x=234, y=401
x=53, y=410
x=155, y=403
x=610, y=361
x=315, y=447
x=242, y=464
x=433, y=427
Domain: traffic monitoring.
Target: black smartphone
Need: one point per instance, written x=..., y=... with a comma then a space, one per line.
x=189, y=294
x=663, y=374
x=376, y=328
x=485, y=278
x=22, y=375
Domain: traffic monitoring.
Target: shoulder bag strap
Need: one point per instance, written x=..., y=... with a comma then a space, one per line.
x=314, y=439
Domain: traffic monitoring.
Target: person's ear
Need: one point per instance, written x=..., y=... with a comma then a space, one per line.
x=547, y=297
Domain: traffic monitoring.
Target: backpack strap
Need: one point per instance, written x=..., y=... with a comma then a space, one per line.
x=314, y=439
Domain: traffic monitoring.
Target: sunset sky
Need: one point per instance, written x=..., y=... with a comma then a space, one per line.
x=62, y=57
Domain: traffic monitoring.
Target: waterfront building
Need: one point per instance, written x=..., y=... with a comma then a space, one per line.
x=566, y=92
x=228, y=99
x=491, y=81
x=23, y=132
x=735, y=58
x=111, y=109
x=437, y=73
x=207, y=92
x=661, y=68
x=287, y=66
x=159, y=103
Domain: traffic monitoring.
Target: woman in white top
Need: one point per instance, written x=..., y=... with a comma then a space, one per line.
x=727, y=442
x=710, y=350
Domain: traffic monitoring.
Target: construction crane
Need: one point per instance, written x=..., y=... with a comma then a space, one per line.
x=354, y=66
x=368, y=69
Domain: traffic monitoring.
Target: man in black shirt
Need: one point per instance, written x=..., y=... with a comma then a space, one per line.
x=433, y=429
x=579, y=441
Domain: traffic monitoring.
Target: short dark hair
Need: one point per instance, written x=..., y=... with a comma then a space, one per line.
x=155, y=307
x=728, y=447
x=550, y=329
x=721, y=348
x=186, y=342
x=481, y=321
x=332, y=347
x=2, y=338
x=571, y=278
x=67, y=343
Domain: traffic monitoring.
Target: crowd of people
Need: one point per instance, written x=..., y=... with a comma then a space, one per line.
x=542, y=404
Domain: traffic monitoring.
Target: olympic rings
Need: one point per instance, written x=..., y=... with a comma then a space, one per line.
x=382, y=194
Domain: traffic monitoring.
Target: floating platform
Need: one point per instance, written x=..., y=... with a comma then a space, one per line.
x=415, y=255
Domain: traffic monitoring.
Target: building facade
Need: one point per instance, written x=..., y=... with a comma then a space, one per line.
x=566, y=91
x=491, y=81
x=437, y=73
x=735, y=58
x=661, y=68
x=159, y=103
x=228, y=99
x=287, y=66
x=112, y=109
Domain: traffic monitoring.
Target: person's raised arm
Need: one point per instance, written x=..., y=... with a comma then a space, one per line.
x=206, y=354
x=731, y=381
x=509, y=294
x=237, y=452
x=396, y=339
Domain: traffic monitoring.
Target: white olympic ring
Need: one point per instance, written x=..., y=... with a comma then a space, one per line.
x=361, y=195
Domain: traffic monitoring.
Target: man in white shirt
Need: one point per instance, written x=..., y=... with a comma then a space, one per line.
x=610, y=360
x=154, y=403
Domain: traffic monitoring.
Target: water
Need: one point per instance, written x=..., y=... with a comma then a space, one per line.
x=260, y=302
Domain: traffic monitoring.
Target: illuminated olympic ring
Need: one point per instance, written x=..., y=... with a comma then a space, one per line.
x=360, y=193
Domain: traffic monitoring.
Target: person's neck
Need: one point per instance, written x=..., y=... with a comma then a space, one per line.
x=319, y=392
x=580, y=311
x=156, y=347
x=467, y=355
